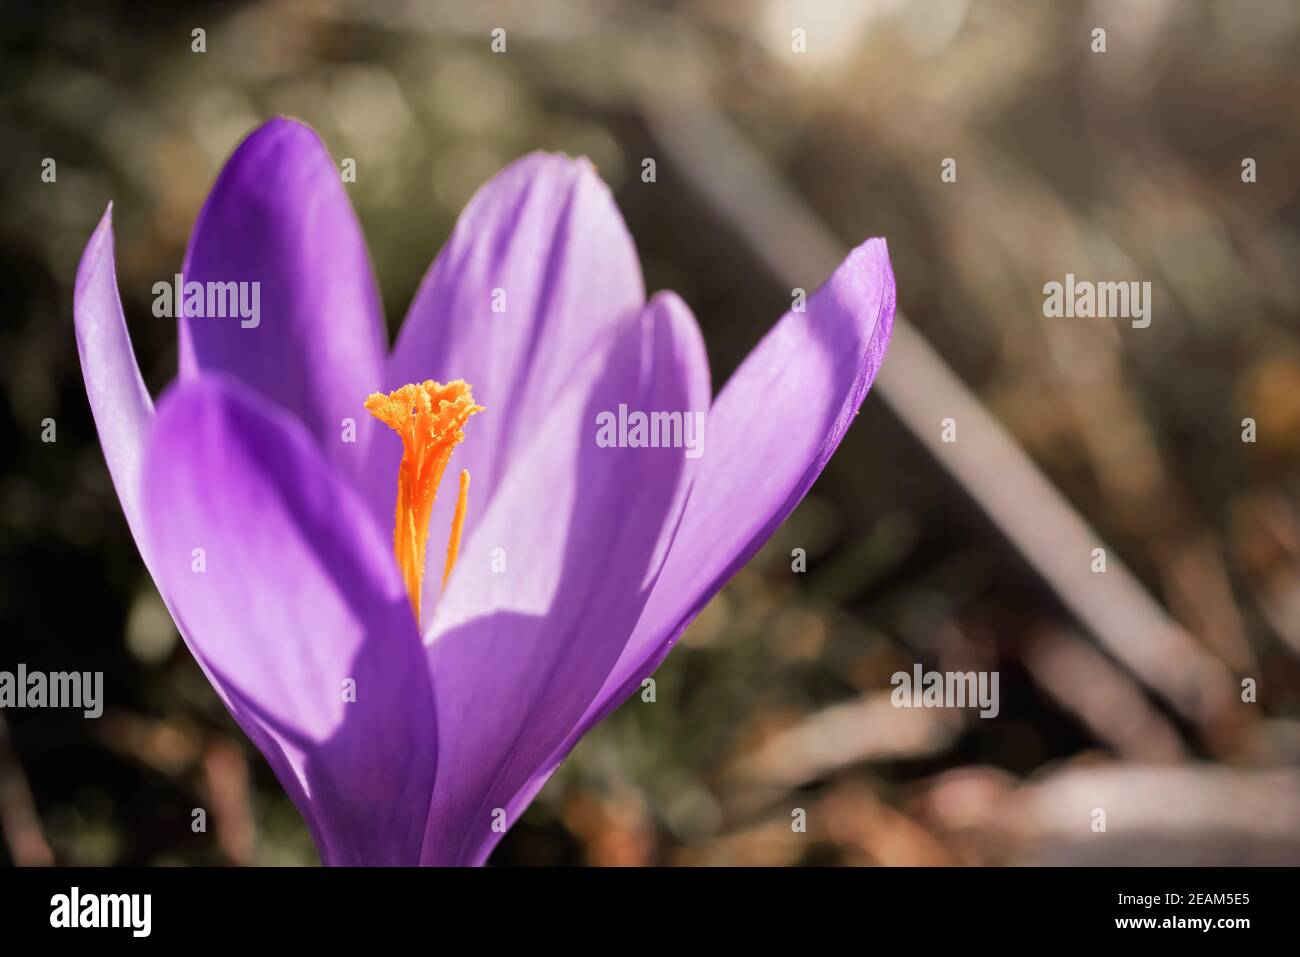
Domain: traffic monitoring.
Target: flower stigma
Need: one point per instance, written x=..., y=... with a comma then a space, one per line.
x=428, y=417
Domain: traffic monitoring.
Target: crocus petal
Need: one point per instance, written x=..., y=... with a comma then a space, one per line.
x=119, y=401
x=297, y=615
x=771, y=431
x=539, y=264
x=279, y=215
x=517, y=653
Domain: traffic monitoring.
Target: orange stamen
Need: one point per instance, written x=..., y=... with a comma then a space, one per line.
x=428, y=416
x=457, y=526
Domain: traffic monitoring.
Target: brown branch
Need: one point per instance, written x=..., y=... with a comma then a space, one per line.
x=18, y=817
x=918, y=386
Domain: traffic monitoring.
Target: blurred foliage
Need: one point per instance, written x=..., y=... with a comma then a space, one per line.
x=1120, y=165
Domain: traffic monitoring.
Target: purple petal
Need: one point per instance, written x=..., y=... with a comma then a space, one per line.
x=543, y=240
x=518, y=654
x=118, y=399
x=279, y=215
x=771, y=431
x=298, y=595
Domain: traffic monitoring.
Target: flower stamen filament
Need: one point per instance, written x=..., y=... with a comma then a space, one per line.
x=457, y=526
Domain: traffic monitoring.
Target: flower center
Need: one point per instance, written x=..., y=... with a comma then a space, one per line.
x=428, y=416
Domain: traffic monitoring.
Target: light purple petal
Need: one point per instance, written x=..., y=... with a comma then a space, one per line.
x=119, y=401
x=518, y=654
x=544, y=241
x=771, y=431
x=279, y=215
x=299, y=594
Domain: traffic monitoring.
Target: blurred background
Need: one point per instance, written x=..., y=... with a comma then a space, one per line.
x=1120, y=691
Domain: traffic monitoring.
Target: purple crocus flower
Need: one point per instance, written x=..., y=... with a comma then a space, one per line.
x=412, y=717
